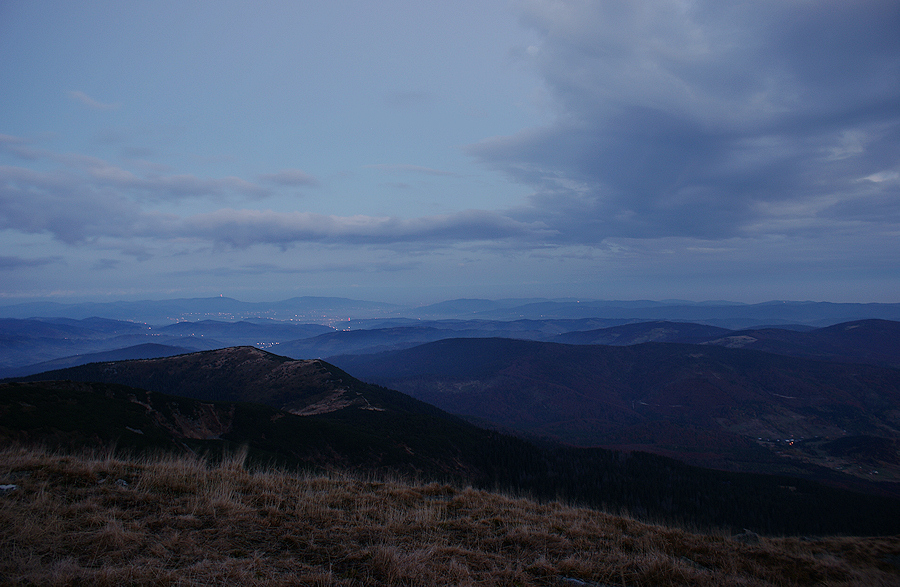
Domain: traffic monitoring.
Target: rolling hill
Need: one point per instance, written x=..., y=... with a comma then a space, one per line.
x=875, y=342
x=721, y=407
x=243, y=374
x=639, y=332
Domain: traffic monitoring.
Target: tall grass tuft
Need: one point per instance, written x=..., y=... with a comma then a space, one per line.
x=103, y=519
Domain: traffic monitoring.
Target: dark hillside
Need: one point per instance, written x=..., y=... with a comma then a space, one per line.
x=726, y=315
x=640, y=332
x=74, y=415
x=245, y=374
x=874, y=342
x=705, y=404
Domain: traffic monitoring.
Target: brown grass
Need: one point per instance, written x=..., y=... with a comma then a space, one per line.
x=102, y=520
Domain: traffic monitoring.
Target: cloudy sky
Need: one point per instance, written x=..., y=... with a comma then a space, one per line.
x=417, y=151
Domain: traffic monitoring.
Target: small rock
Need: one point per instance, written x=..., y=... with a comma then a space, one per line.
x=121, y=483
x=8, y=488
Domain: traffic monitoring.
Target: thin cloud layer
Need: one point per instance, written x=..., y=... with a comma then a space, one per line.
x=290, y=177
x=710, y=120
x=406, y=168
x=63, y=205
x=242, y=228
x=90, y=102
x=7, y=262
x=91, y=171
x=92, y=199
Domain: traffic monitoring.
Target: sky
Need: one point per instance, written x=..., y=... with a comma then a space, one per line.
x=412, y=152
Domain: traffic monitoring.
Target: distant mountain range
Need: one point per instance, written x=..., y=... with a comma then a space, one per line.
x=311, y=309
x=325, y=310
x=33, y=333
x=406, y=335
x=148, y=350
x=30, y=345
x=726, y=315
x=310, y=413
x=27, y=343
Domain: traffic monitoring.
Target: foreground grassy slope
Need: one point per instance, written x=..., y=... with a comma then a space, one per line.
x=103, y=520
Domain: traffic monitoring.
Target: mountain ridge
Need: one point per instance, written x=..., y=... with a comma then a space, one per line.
x=654, y=396
x=328, y=309
x=233, y=374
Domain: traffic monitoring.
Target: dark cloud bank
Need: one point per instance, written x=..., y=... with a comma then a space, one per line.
x=711, y=120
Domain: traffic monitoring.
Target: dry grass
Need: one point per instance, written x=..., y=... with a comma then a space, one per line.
x=101, y=520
